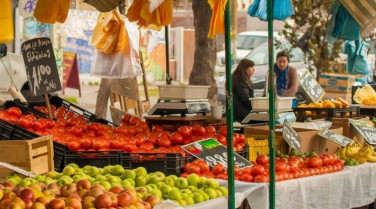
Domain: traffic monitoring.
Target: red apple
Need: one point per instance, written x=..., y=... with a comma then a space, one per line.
x=74, y=203
x=27, y=194
x=68, y=189
x=9, y=195
x=57, y=204
x=103, y=201
x=116, y=189
x=124, y=199
x=8, y=184
x=147, y=205
x=83, y=184
x=38, y=205
x=83, y=193
x=28, y=203
x=113, y=199
x=4, y=203
x=95, y=192
x=88, y=202
x=18, y=190
x=44, y=200
x=75, y=196
x=152, y=200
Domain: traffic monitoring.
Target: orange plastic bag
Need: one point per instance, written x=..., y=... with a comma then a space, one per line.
x=217, y=23
x=109, y=34
x=6, y=22
x=52, y=11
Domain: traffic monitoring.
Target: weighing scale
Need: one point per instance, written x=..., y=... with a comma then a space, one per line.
x=182, y=107
x=264, y=117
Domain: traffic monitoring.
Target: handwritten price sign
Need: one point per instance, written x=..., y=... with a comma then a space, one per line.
x=214, y=153
x=366, y=129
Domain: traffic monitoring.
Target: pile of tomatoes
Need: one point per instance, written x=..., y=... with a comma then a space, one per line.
x=291, y=168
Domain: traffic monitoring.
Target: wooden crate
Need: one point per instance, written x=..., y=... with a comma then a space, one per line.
x=35, y=155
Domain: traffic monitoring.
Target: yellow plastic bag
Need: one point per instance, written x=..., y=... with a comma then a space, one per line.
x=6, y=31
x=365, y=95
x=217, y=23
x=109, y=34
x=52, y=11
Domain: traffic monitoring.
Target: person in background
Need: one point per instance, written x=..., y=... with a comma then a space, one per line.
x=285, y=75
x=242, y=89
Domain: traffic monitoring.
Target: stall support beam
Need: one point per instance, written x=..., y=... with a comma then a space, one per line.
x=167, y=35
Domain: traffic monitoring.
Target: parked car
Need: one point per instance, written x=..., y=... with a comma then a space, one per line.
x=261, y=59
x=245, y=43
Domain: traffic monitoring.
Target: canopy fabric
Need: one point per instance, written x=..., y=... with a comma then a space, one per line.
x=104, y=5
x=364, y=12
x=217, y=25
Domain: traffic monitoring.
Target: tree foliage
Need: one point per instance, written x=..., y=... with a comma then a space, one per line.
x=310, y=19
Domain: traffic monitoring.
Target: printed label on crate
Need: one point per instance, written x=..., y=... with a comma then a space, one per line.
x=366, y=129
x=213, y=152
x=334, y=137
x=41, y=69
x=291, y=137
x=311, y=86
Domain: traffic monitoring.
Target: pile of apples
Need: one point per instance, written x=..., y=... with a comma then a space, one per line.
x=108, y=187
x=291, y=168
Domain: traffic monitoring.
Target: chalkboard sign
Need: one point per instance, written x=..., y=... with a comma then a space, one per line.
x=213, y=152
x=311, y=86
x=366, y=129
x=334, y=137
x=41, y=67
x=291, y=137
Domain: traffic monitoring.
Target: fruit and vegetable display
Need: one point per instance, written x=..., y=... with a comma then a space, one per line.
x=355, y=153
x=133, y=135
x=329, y=103
x=108, y=187
x=290, y=167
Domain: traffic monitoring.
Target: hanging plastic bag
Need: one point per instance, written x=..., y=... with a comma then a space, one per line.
x=52, y=11
x=6, y=22
x=124, y=64
x=217, y=22
x=253, y=8
x=361, y=64
x=282, y=9
x=109, y=34
x=350, y=51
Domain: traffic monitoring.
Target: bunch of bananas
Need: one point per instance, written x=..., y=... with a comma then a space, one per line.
x=358, y=152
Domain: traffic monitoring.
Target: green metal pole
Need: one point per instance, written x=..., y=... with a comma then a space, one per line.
x=271, y=107
x=229, y=110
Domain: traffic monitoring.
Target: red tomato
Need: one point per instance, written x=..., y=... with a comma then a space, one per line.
x=223, y=130
x=76, y=130
x=157, y=128
x=283, y=160
x=194, y=169
x=314, y=162
x=140, y=139
x=198, y=130
x=296, y=174
x=164, y=142
x=129, y=147
x=218, y=168
x=25, y=122
x=126, y=118
x=86, y=143
x=210, y=129
x=241, y=139
x=95, y=126
x=280, y=166
x=209, y=175
x=204, y=167
x=222, y=176
x=246, y=178
x=176, y=138
x=31, y=117
x=12, y=119
x=184, y=175
x=152, y=138
x=74, y=145
x=247, y=170
x=197, y=161
x=117, y=144
x=185, y=131
x=260, y=179
x=139, y=129
x=98, y=144
x=185, y=168
x=134, y=121
x=15, y=111
x=221, y=139
x=262, y=159
x=147, y=146
x=257, y=170
x=73, y=121
x=40, y=125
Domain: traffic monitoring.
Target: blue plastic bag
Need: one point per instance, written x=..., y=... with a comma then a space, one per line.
x=357, y=62
x=282, y=9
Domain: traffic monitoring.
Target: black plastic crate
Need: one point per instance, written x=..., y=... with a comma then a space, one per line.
x=10, y=131
x=59, y=156
x=168, y=163
x=303, y=114
x=99, y=159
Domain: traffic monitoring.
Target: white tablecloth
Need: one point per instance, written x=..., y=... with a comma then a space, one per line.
x=352, y=187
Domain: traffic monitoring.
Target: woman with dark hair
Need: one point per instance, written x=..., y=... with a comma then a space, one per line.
x=285, y=75
x=242, y=89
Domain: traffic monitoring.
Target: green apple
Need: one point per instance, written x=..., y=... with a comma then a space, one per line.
x=219, y=193
x=52, y=174
x=101, y=171
x=224, y=190
x=173, y=177
x=156, y=192
x=181, y=183
x=142, y=190
x=141, y=171
x=93, y=171
x=198, y=197
x=204, y=194
x=211, y=192
x=24, y=183
x=169, y=181
x=141, y=181
x=182, y=202
x=74, y=165
x=63, y=181
x=153, y=179
x=192, y=188
x=117, y=170
x=91, y=179
x=112, y=178
x=165, y=189
x=48, y=181
x=132, y=181
x=106, y=185
x=160, y=184
x=128, y=174
x=126, y=183
x=189, y=200
x=100, y=178
x=149, y=188
x=68, y=171
x=107, y=169
x=202, y=181
x=211, y=183
x=160, y=174
x=186, y=191
x=39, y=178
x=116, y=183
x=154, y=186
x=193, y=179
x=174, y=194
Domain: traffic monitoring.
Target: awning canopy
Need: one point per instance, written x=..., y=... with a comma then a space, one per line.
x=104, y=5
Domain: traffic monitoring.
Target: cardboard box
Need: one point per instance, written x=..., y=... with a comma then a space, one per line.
x=337, y=67
x=327, y=146
x=336, y=82
x=346, y=95
x=348, y=130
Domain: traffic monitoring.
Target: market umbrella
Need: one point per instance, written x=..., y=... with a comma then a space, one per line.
x=104, y=5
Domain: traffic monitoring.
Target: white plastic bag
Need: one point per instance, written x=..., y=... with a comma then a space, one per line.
x=125, y=64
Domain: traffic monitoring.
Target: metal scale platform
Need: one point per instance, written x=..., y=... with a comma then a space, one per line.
x=182, y=107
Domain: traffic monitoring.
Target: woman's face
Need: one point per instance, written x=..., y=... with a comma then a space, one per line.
x=250, y=71
x=282, y=62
